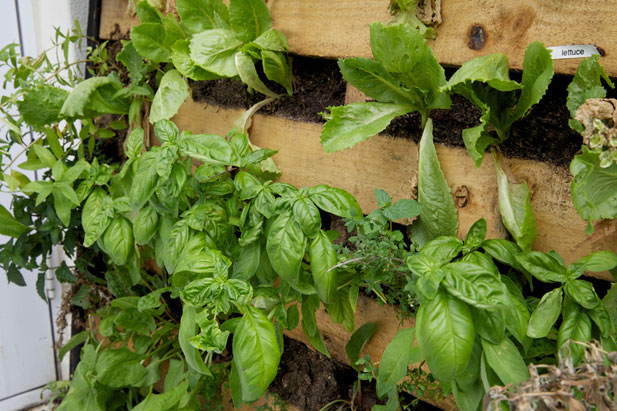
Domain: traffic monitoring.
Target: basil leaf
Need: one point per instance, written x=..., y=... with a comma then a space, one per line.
x=517, y=319
x=186, y=332
x=505, y=359
x=396, y=358
x=310, y=304
x=468, y=400
x=576, y=326
x=356, y=342
x=470, y=376
x=583, y=293
x=475, y=236
x=543, y=266
x=256, y=353
x=335, y=201
x=166, y=401
x=285, y=245
x=323, y=259
x=475, y=285
x=145, y=225
x=442, y=249
x=445, y=334
x=545, y=314
x=307, y=216
x=249, y=18
x=202, y=15
x=208, y=148
x=214, y=51
x=118, y=240
x=438, y=216
x=169, y=97
x=503, y=251
x=145, y=180
x=515, y=209
x=598, y=261
x=601, y=317
x=490, y=325
x=119, y=368
x=348, y=125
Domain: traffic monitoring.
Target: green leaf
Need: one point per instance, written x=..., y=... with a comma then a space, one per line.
x=42, y=105
x=310, y=304
x=383, y=198
x=492, y=69
x=82, y=394
x=248, y=74
x=595, y=262
x=118, y=240
x=277, y=68
x=256, y=354
x=475, y=236
x=515, y=209
x=307, y=216
x=249, y=18
x=601, y=317
x=476, y=286
x=587, y=83
x=185, y=334
x=335, y=201
x=503, y=251
x=445, y=333
x=507, y=362
x=164, y=402
x=145, y=180
x=272, y=40
x=133, y=62
x=594, y=189
x=356, y=343
x=353, y=123
x=583, y=293
x=208, y=148
x=401, y=49
x=543, y=266
x=145, y=225
x=119, y=368
x=147, y=13
x=341, y=311
x=95, y=216
x=9, y=225
x=371, y=78
x=545, y=314
x=74, y=342
x=438, y=216
x=537, y=75
x=403, y=208
x=214, y=51
x=517, y=319
x=286, y=244
x=201, y=15
x=576, y=326
x=181, y=59
x=93, y=97
x=169, y=97
x=468, y=400
x=490, y=325
x=396, y=358
x=323, y=259
x=149, y=41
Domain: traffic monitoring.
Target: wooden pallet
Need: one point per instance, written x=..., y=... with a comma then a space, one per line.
x=339, y=28
x=391, y=164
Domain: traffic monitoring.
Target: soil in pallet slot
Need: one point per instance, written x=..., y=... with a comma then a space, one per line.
x=310, y=380
x=544, y=135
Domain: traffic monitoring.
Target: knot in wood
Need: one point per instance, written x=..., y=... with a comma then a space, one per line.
x=476, y=37
x=461, y=196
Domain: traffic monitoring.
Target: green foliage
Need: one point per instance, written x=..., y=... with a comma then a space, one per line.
x=403, y=77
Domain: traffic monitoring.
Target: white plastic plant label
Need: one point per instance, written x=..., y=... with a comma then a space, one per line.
x=576, y=51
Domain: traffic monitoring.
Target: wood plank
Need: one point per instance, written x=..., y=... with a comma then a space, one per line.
x=339, y=28
x=368, y=310
x=391, y=164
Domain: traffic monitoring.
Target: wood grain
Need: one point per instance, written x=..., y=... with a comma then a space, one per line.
x=339, y=28
x=391, y=164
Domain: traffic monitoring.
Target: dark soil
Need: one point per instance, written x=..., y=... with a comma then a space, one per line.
x=310, y=380
x=317, y=84
x=543, y=135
